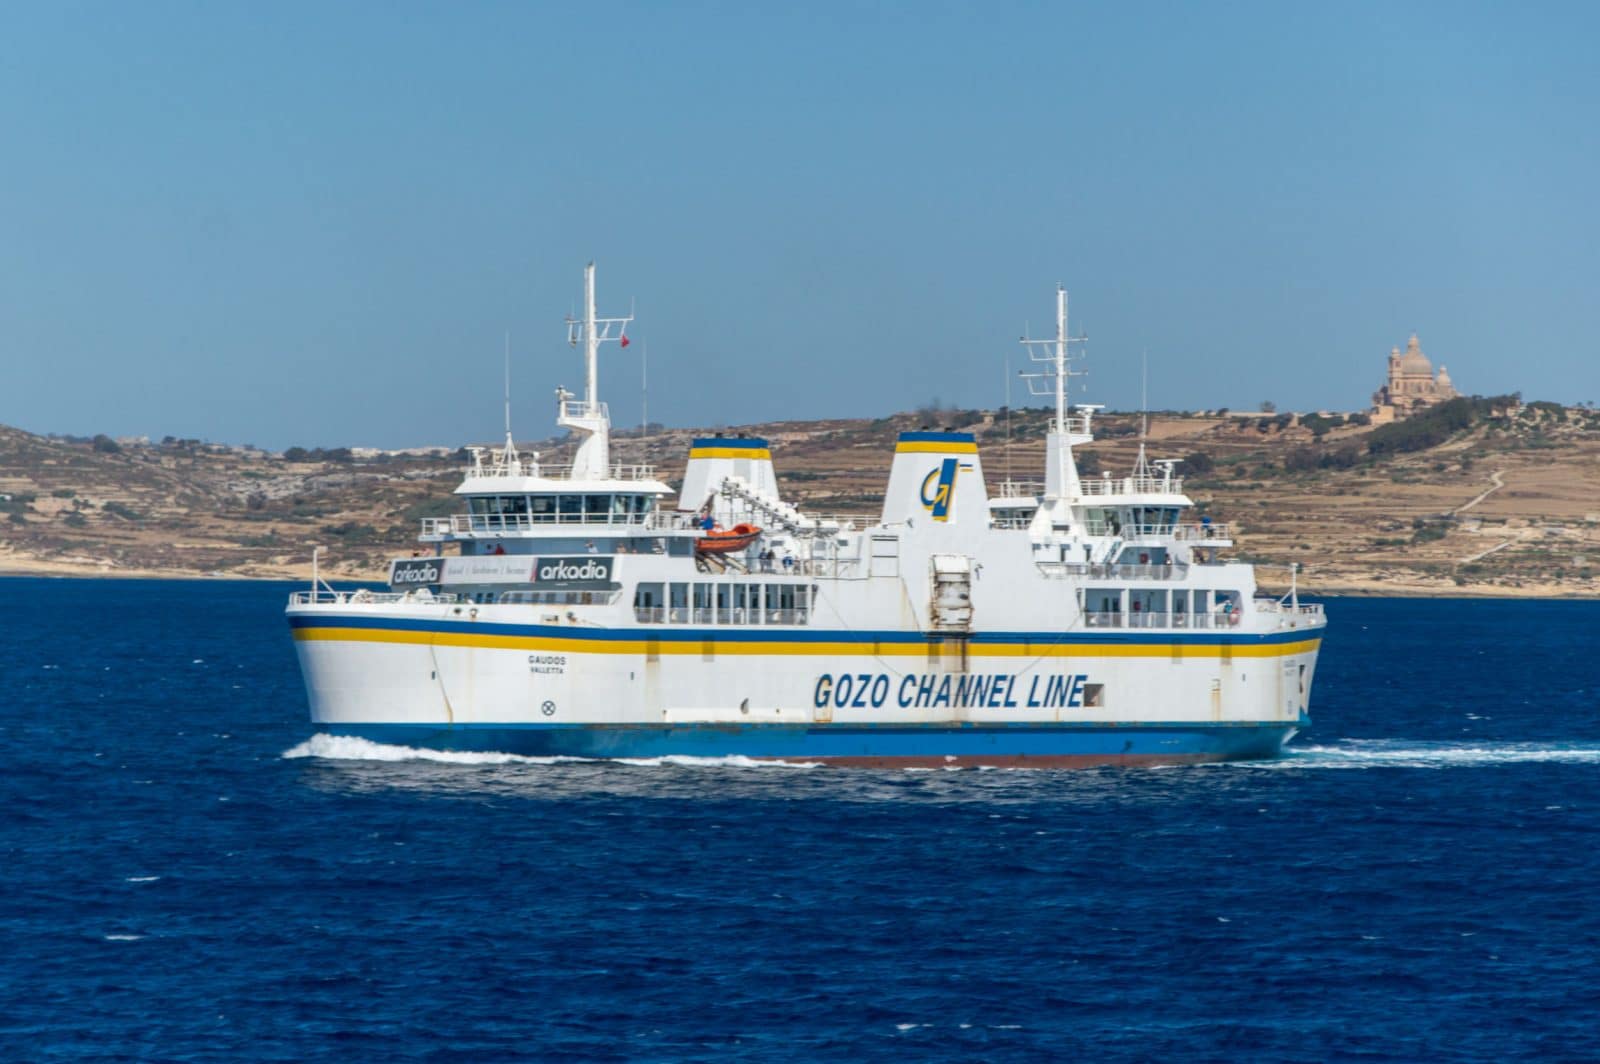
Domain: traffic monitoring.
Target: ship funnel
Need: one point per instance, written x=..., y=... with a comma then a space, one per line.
x=712, y=459
x=937, y=477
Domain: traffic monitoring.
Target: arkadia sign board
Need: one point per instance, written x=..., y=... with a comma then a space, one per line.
x=405, y=573
x=585, y=572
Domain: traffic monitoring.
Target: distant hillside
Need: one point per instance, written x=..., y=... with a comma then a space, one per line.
x=1476, y=497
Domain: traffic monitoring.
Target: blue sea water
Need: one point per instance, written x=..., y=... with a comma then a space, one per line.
x=191, y=874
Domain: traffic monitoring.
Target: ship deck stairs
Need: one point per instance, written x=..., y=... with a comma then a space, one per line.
x=775, y=512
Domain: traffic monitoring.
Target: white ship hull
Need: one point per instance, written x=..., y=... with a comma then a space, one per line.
x=427, y=676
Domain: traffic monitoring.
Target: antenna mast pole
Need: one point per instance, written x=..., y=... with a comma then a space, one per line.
x=1061, y=359
x=591, y=343
x=1008, y=416
x=593, y=458
x=1055, y=377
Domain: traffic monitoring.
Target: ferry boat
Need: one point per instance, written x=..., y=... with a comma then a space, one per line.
x=577, y=612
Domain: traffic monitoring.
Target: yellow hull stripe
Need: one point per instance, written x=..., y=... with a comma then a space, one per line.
x=934, y=447
x=861, y=649
x=731, y=452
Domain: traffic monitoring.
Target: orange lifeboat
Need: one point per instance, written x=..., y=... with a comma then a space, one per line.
x=727, y=540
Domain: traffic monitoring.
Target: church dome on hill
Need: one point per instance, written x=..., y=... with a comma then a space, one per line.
x=1414, y=363
x=1411, y=386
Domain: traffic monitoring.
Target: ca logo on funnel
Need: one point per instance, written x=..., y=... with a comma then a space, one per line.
x=939, y=487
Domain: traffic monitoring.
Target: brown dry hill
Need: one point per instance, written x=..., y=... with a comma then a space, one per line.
x=1491, y=497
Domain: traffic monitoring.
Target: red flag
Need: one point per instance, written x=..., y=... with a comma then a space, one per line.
x=624, y=339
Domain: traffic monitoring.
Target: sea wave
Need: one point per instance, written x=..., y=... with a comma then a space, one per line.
x=353, y=748
x=1406, y=753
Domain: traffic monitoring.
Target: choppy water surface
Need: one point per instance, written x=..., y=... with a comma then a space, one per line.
x=192, y=874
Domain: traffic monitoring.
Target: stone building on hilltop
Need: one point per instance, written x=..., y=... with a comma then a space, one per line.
x=1412, y=385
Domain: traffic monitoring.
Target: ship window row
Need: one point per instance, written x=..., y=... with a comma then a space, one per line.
x=542, y=598
x=1111, y=607
x=1132, y=520
x=496, y=512
x=722, y=603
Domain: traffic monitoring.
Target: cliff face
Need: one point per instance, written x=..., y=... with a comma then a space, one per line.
x=1489, y=501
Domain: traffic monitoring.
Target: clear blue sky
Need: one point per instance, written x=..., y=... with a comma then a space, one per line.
x=311, y=224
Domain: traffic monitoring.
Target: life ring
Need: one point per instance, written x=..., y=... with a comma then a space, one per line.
x=1233, y=618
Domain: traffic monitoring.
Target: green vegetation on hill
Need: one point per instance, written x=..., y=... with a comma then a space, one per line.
x=1436, y=424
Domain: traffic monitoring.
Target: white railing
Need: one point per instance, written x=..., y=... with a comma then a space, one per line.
x=1107, y=571
x=502, y=524
x=1306, y=610
x=1021, y=489
x=1215, y=530
x=1141, y=619
x=529, y=468
x=1077, y=426
x=724, y=615
x=327, y=596
x=1132, y=486
x=1137, y=571
x=577, y=409
x=1188, y=533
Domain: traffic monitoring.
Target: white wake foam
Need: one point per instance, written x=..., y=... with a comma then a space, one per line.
x=352, y=748
x=1403, y=753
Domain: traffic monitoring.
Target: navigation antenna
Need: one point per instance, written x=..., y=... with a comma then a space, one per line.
x=1008, y=417
x=1141, y=466
x=1061, y=474
x=1055, y=358
x=511, y=448
x=593, y=459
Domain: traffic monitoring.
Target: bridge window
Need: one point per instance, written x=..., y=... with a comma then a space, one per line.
x=543, y=508
x=570, y=508
x=649, y=603
x=722, y=602
x=1102, y=607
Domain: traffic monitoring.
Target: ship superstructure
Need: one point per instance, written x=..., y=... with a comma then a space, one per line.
x=577, y=611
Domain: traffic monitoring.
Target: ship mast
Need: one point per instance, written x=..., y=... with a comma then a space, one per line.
x=1061, y=472
x=593, y=459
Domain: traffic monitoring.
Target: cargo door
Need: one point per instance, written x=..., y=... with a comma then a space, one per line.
x=950, y=593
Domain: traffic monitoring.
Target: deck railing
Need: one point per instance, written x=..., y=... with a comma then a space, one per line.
x=328, y=596
x=1305, y=613
x=1132, y=486
x=1155, y=619
x=528, y=468
x=1105, y=571
x=1188, y=533
x=718, y=615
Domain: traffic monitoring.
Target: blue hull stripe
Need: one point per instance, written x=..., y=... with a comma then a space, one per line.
x=1007, y=743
